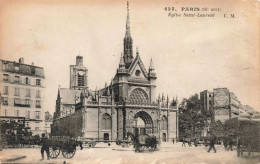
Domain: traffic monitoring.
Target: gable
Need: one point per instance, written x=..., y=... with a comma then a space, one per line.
x=135, y=72
x=138, y=65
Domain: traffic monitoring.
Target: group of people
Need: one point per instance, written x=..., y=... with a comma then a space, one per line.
x=212, y=141
x=228, y=143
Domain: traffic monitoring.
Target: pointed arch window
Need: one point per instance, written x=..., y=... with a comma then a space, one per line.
x=138, y=96
x=164, y=123
x=106, y=122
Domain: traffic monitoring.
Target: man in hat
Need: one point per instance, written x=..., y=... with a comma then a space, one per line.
x=45, y=146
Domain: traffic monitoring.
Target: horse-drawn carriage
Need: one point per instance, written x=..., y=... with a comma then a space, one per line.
x=145, y=142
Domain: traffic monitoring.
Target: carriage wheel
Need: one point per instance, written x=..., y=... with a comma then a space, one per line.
x=68, y=149
x=93, y=144
x=68, y=153
x=54, y=152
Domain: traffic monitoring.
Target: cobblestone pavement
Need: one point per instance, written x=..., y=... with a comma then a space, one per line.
x=168, y=153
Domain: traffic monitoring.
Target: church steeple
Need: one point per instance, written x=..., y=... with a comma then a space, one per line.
x=128, y=41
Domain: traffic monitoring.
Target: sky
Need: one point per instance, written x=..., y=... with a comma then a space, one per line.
x=189, y=54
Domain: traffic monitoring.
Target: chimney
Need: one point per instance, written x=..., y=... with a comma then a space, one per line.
x=21, y=60
x=32, y=63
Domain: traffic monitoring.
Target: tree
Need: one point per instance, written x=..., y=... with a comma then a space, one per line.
x=217, y=128
x=191, y=120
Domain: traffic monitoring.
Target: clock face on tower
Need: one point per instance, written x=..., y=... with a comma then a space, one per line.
x=81, y=73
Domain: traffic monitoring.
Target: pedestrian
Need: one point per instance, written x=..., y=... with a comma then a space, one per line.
x=211, y=144
x=80, y=145
x=230, y=144
x=173, y=140
x=225, y=143
x=183, y=142
x=189, y=142
x=45, y=146
x=195, y=142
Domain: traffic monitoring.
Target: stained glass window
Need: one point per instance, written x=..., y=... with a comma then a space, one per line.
x=138, y=95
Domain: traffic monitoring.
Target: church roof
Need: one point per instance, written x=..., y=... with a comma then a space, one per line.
x=68, y=96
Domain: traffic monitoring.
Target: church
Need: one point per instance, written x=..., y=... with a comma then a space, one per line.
x=126, y=104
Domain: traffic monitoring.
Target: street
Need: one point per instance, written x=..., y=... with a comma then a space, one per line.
x=168, y=153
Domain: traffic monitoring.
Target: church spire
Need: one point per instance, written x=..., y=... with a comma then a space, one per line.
x=128, y=33
x=128, y=41
x=151, y=67
x=151, y=70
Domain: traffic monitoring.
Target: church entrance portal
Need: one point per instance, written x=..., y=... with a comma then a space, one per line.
x=144, y=123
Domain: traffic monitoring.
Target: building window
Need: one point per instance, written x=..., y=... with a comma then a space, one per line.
x=28, y=114
x=16, y=68
x=16, y=91
x=28, y=93
x=5, y=90
x=137, y=73
x=80, y=80
x=17, y=102
x=106, y=122
x=37, y=115
x=17, y=79
x=5, y=101
x=27, y=103
x=38, y=104
x=38, y=82
x=6, y=77
x=139, y=96
x=27, y=81
x=38, y=94
x=164, y=123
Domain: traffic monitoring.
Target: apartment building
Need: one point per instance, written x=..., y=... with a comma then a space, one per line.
x=22, y=90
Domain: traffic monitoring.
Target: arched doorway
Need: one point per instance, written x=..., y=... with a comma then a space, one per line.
x=106, y=136
x=164, y=137
x=144, y=123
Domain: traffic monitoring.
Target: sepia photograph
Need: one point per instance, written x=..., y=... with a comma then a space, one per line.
x=129, y=81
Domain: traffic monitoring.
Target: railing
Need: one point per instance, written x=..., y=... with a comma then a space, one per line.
x=22, y=105
x=122, y=71
x=142, y=103
x=106, y=103
x=38, y=106
x=138, y=80
x=92, y=102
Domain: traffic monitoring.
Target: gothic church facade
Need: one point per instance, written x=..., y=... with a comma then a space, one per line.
x=126, y=104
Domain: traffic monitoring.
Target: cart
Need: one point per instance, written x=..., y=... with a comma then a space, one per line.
x=62, y=144
x=248, y=136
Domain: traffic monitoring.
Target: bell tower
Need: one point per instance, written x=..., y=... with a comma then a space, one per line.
x=78, y=75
